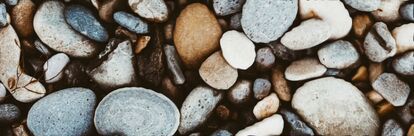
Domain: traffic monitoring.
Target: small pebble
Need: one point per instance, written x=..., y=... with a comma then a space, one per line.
x=361, y=24
x=361, y=74
x=217, y=73
x=308, y=34
x=384, y=108
x=364, y=5
x=227, y=7
x=3, y=15
x=131, y=22
x=392, y=128
x=304, y=69
x=235, y=22
x=404, y=37
x=172, y=91
x=266, y=107
x=379, y=43
x=272, y=125
x=374, y=96
x=3, y=92
x=406, y=11
x=152, y=10
x=392, y=88
x=42, y=48
x=54, y=67
x=261, y=88
x=240, y=93
x=338, y=54
x=375, y=70
x=265, y=59
x=9, y=113
x=174, y=63
x=411, y=130
x=237, y=49
x=223, y=112
x=280, y=85
x=297, y=126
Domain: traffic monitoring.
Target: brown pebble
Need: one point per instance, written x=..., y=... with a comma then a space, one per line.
x=122, y=32
x=374, y=96
x=280, y=85
x=223, y=23
x=108, y=7
x=20, y=129
x=22, y=17
x=142, y=42
x=384, y=108
x=375, y=69
x=168, y=31
x=172, y=91
x=223, y=112
x=361, y=74
x=361, y=25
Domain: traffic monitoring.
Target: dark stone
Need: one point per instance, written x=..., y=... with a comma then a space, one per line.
x=174, y=64
x=296, y=125
x=9, y=113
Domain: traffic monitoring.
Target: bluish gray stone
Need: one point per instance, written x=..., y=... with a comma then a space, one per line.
x=3, y=15
x=9, y=113
x=131, y=22
x=296, y=125
x=66, y=112
x=407, y=11
x=227, y=7
x=261, y=88
x=82, y=20
x=364, y=5
x=404, y=64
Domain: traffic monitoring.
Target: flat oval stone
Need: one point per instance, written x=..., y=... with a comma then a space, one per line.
x=217, y=73
x=406, y=11
x=237, y=49
x=50, y=25
x=404, y=64
x=392, y=88
x=303, y=69
x=272, y=125
x=65, y=112
x=9, y=113
x=263, y=24
x=196, y=34
x=312, y=100
x=404, y=37
x=82, y=20
x=197, y=107
x=152, y=10
x=308, y=34
x=22, y=17
x=364, y=5
x=227, y=7
x=379, y=43
x=266, y=107
x=54, y=67
x=132, y=111
x=131, y=22
x=338, y=54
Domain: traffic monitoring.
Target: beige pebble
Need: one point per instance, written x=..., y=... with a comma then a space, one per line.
x=403, y=36
x=266, y=107
x=280, y=85
x=217, y=73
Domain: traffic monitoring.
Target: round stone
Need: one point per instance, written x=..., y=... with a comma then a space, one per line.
x=65, y=112
x=131, y=22
x=364, y=5
x=308, y=34
x=261, y=88
x=132, y=111
x=265, y=59
x=152, y=10
x=339, y=54
x=227, y=7
x=406, y=11
x=304, y=69
x=217, y=73
x=404, y=64
x=263, y=24
x=312, y=100
x=240, y=92
x=237, y=49
x=9, y=113
x=54, y=67
x=82, y=20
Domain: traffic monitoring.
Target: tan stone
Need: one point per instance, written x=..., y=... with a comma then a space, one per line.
x=361, y=24
x=361, y=74
x=374, y=96
x=142, y=42
x=375, y=69
x=280, y=85
x=217, y=73
x=22, y=17
x=266, y=107
x=411, y=130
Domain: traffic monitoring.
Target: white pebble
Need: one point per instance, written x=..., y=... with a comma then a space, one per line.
x=237, y=49
x=270, y=126
x=54, y=67
x=404, y=37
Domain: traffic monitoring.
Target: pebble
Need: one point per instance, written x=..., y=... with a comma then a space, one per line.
x=235, y=21
x=23, y=87
x=272, y=125
x=361, y=74
x=384, y=108
x=237, y=49
x=304, y=69
x=404, y=37
x=3, y=15
x=221, y=132
x=266, y=107
x=284, y=53
x=133, y=110
x=379, y=43
x=223, y=112
x=106, y=9
x=374, y=96
x=141, y=43
x=404, y=64
x=411, y=130
x=22, y=17
x=392, y=128
x=217, y=73
x=20, y=129
x=308, y=34
x=240, y=93
x=263, y=24
x=361, y=24
x=174, y=64
x=9, y=113
x=196, y=35
x=118, y=70
x=265, y=59
x=261, y=88
x=152, y=10
x=296, y=125
x=341, y=98
x=406, y=12
x=65, y=112
x=375, y=70
x=332, y=12
x=197, y=108
x=82, y=20
x=172, y=91
x=392, y=88
x=3, y=92
x=388, y=10
x=338, y=54
x=131, y=22
x=227, y=7
x=280, y=85
x=405, y=113
x=50, y=25
x=54, y=67
x=364, y=5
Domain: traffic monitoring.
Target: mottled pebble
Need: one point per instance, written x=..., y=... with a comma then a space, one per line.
x=266, y=107
x=152, y=10
x=379, y=43
x=240, y=92
x=392, y=88
x=261, y=88
x=217, y=73
x=9, y=113
x=227, y=7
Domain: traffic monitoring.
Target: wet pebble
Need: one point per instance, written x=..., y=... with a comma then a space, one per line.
x=266, y=107
x=9, y=113
x=406, y=11
x=304, y=69
x=379, y=43
x=237, y=49
x=296, y=125
x=392, y=128
x=217, y=73
x=227, y=7
x=265, y=59
x=240, y=92
x=272, y=125
x=54, y=67
x=131, y=22
x=261, y=88
x=404, y=64
x=152, y=10
x=392, y=88
x=338, y=54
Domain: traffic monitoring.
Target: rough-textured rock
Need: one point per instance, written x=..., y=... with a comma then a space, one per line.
x=174, y=64
x=265, y=59
x=227, y=7
x=312, y=100
x=153, y=10
x=196, y=34
x=364, y=5
x=217, y=73
x=3, y=15
x=22, y=17
x=82, y=20
x=131, y=22
x=23, y=87
x=261, y=88
x=272, y=125
x=361, y=24
x=9, y=113
x=392, y=89
x=237, y=49
x=266, y=107
x=303, y=69
x=240, y=93
x=338, y=54
x=404, y=37
x=308, y=34
x=392, y=128
x=280, y=85
x=50, y=25
x=404, y=64
x=54, y=67
x=263, y=24
x=65, y=112
x=406, y=11
x=388, y=10
x=136, y=111
x=197, y=107
x=296, y=125
x=379, y=43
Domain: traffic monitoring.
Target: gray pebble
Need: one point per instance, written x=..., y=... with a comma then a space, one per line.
x=364, y=5
x=221, y=132
x=339, y=54
x=11, y=2
x=82, y=20
x=65, y=112
x=54, y=67
x=227, y=7
x=407, y=11
x=265, y=59
x=392, y=88
x=235, y=21
x=297, y=126
x=240, y=92
x=131, y=22
x=263, y=24
x=392, y=128
x=404, y=64
x=3, y=15
x=174, y=63
x=9, y=113
x=261, y=88
x=379, y=43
